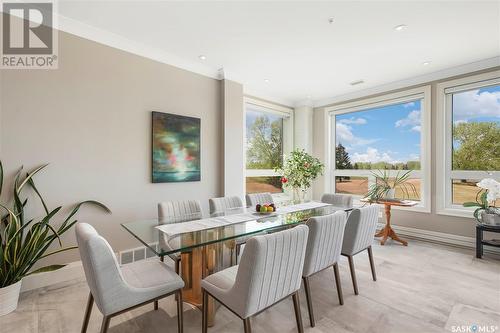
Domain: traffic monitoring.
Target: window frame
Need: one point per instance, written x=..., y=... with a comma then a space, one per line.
x=288, y=127
x=424, y=174
x=444, y=144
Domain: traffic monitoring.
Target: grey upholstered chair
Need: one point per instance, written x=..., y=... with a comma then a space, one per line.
x=323, y=251
x=259, y=198
x=116, y=290
x=270, y=271
x=358, y=236
x=178, y=212
x=224, y=203
x=339, y=200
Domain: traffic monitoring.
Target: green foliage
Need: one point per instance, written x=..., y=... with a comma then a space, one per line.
x=384, y=183
x=477, y=146
x=300, y=169
x=265, y=149
x=481, y=202
x=342, y=160
x=24, y=242
x=410, y=165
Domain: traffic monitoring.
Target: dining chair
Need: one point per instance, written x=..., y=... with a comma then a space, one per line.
x=270, y=271
x=116, y=289
x=259, y=198
x=178, y=212
x=340, y=200
x=358, y=236
x=224, y=203
x=323, y=251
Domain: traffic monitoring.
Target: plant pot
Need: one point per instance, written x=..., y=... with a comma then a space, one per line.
x=490, y=218
x=9, y=296
x=390, y=194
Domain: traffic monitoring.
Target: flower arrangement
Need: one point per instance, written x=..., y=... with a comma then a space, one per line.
x=485, y=201
x=299, y=170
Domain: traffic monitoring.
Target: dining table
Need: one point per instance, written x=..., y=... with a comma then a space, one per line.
x=209, y=244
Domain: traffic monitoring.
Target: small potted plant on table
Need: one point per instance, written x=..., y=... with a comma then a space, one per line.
x=486, y=211
x=385, y=187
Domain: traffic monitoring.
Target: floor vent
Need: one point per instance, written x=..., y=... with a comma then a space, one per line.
x=136, y=254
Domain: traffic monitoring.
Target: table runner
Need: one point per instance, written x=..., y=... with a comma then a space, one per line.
x=172, y=229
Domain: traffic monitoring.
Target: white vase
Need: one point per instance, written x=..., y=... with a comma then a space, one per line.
x=490, y=218
x=9, y=296
x=390, y=194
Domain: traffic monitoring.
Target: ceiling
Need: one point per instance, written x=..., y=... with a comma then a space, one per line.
x=288, y=51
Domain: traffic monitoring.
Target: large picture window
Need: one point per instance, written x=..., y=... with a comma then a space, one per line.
x=470, y=140
x=387, y=133
x=267, y=139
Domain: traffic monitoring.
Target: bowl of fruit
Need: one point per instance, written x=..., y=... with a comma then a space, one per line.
x=265, y=208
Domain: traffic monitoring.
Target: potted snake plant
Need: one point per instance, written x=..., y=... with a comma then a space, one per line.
x=23, y=241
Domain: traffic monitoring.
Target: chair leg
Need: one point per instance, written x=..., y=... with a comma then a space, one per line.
x=238, y=251
x=177, y=269
x=180, y=321
x=204, y=322
x=162, y=258
x=337, y=282
x=353, y=274
x=105, y=324
x=88, y=311
x=309, y=301
x=246, y=325
x=298, y=316
x=372, y=263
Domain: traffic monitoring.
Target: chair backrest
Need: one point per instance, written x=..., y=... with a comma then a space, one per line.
x=360, y=229
x=224, y=203
x=324, y=242
x=340, y=200
x=270, y=269
x=179, y=211
x=101, y=268
x=259, y=198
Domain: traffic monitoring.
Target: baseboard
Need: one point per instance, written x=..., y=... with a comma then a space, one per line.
x=440, y=237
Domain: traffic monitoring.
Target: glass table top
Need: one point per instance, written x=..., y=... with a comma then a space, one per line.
x=190, y=231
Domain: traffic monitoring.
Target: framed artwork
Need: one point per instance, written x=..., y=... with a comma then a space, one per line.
x=176, y=148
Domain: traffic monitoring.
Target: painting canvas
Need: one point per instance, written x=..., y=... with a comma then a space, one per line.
x=176, y=148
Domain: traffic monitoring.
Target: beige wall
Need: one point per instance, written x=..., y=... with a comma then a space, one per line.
x=433, y=222
x=91, y=120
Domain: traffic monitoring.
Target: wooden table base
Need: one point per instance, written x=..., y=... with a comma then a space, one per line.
x=387, y=232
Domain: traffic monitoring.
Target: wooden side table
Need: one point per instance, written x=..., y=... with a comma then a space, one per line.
x=387, y=231
x=480, y=242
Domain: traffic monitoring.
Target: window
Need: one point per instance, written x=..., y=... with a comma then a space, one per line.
x=268, y=130
x=469, y=139
x=385, y=133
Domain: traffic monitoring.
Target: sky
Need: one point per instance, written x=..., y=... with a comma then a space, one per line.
x=392, y=133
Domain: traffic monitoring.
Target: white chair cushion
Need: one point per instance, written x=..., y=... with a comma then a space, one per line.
x=151, y=274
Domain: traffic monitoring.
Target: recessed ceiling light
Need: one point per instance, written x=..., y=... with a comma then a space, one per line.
x=355, y=83
x=331, y=20
x=400, y=27
x=426, y=63
x=266, y=80
x=202, y=57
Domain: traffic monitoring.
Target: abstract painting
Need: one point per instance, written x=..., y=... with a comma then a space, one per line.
x=176, y=148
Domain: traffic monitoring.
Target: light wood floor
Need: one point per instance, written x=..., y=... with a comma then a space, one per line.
x=421, y=288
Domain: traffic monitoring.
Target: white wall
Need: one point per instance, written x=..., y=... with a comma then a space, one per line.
x=91, y=120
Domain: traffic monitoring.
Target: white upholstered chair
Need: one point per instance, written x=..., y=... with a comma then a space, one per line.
x=339, y=200
x=270, y=271
x=358, y=236
x=178, y=212
x=118, y=289
x=323, y=251
x=259, y=198
x=223, y=204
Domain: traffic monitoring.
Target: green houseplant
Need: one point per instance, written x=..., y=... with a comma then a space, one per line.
x=385, y=186
x=298, y=171
x=23, y=241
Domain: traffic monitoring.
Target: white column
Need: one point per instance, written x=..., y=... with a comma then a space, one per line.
x=303, y=131
x=234, y=127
